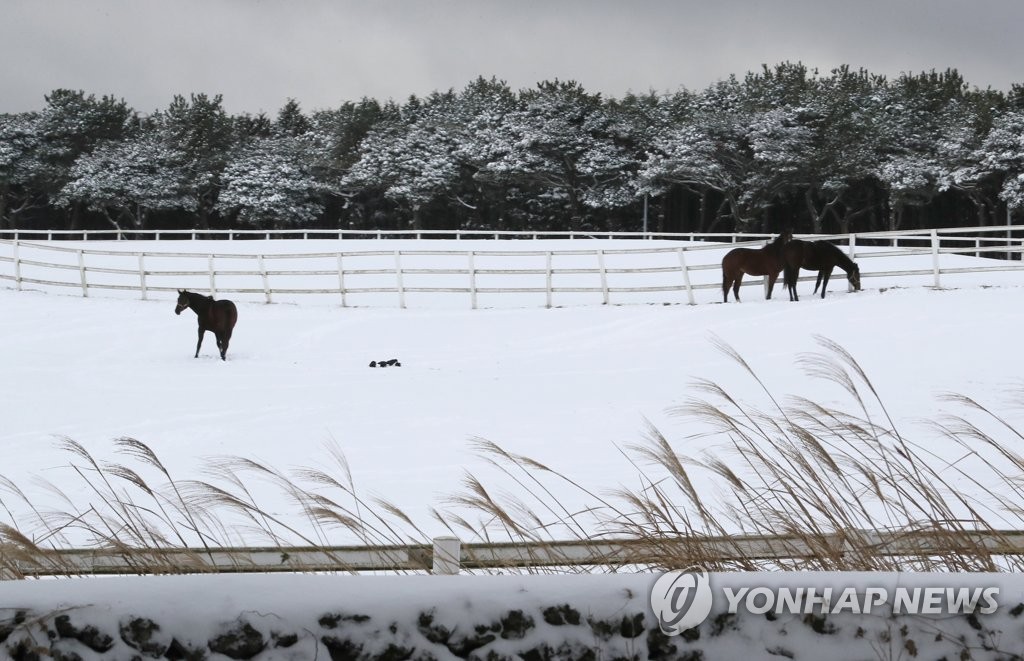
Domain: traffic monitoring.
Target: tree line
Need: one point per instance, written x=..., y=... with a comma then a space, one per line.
x=846, y=150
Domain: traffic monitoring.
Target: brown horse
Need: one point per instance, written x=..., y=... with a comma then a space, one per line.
x=216, y=316
x=753, y=261
x=820, y=256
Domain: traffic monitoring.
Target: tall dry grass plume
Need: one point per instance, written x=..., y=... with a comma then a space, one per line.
x=791, y=485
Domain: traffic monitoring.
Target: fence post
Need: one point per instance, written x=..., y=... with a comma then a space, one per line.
x=81, y=273
x=852, y=253
x=341, y=281
x=263, y=275
x=472, y=281
x=935, y=256
x=447, y=556
x=548, y=286
x=604, y=275
x=1009, y=233
x=398, y=278
x=213, y=282
x=765, y=279
x=686, y=276
x=17, y=264
x=142, y=274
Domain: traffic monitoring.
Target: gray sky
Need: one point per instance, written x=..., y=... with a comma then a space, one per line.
x=258, y=53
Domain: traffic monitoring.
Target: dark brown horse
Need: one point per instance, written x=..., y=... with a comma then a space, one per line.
x=216, y=316
x=753, y=261
x=820, y=256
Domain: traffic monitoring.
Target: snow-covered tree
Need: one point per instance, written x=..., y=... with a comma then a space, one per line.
x=561, y=142
x=1002, y=156
x=710, y=153
x=20, y=166
x=200, y=135
x=291, y=121
x=931, y=136
x=126, y=180
x=411, y=158
x=270, y=184
x=823, y=150
x=72, y=124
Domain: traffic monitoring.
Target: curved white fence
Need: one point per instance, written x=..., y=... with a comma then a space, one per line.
x=378, y=234
x=482, y=274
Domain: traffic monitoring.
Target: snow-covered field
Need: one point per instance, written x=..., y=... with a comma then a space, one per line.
x=568, y=386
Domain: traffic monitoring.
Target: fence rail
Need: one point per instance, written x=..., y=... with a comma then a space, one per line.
x=232, y=234
x=612, y=274
x=447, y=555
x=1009, y=234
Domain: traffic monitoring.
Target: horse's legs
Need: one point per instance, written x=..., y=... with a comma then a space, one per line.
x=736, y=286
x=789, y=278
x=772, y=277
x=202, y=331
x=817, y=283
x=825, y=274
x=222, y=343
x=725, y=286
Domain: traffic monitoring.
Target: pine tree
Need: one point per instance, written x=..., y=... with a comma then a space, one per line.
x=200, y=135
x=71, y=125
x=269, y=185
x=128, y=179
x=21, y=170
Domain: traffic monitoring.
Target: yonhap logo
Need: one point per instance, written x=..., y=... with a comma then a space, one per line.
x=681, y=600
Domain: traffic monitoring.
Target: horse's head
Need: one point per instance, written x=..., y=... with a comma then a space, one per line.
x=183, y=301
x=784, y=237
x=854, y=277
x=778, y=245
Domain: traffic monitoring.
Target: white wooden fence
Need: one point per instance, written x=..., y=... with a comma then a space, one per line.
x=232, y=234
x=660, y=273
x=447, y=555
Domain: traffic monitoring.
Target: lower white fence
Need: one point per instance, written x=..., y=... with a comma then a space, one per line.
x=447, y=555
x=654, y=272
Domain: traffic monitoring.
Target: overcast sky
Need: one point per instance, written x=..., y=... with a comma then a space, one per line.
x=259, y=53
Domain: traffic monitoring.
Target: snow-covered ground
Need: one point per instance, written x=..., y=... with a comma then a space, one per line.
x=567, y=386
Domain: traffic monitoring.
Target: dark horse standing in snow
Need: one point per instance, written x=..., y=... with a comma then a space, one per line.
x=820, y=256
x=753, y=261
x=216, y=316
